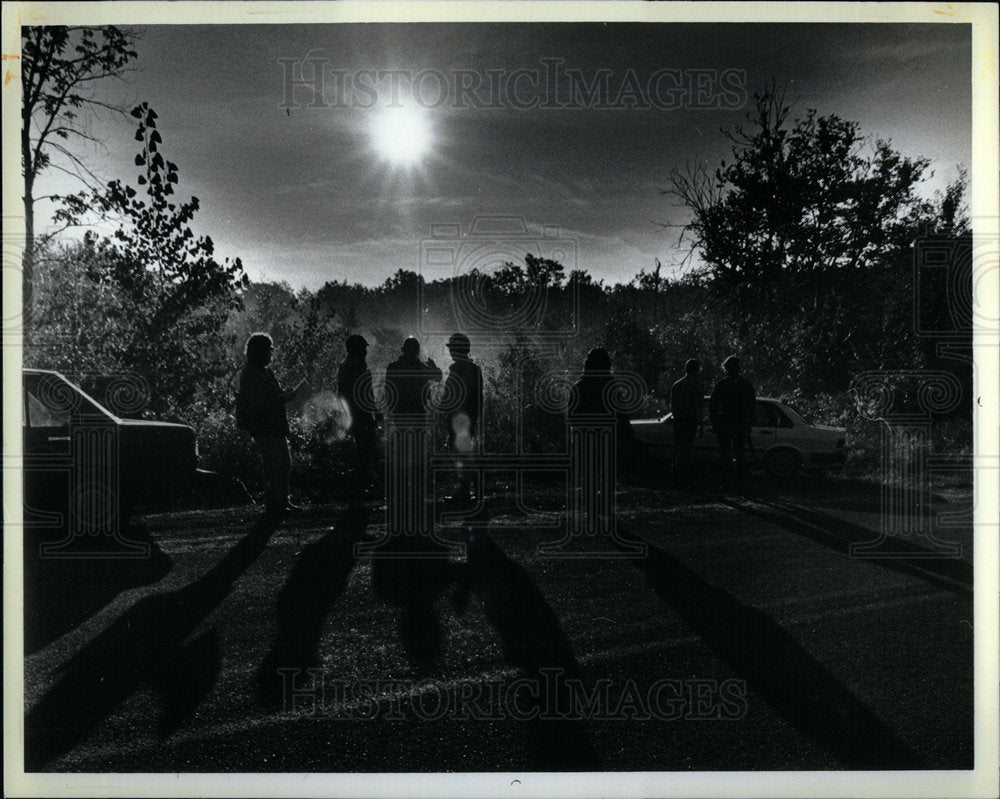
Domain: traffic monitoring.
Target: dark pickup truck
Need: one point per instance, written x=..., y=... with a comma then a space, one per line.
x=86, y=469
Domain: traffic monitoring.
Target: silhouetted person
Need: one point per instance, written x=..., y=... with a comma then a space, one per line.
x=261, y=403
x=687, y=401
x=354, y=384
x=465, y=384
x=408, y=443
x=407, y=379
x=592, y=397
x=731, y=407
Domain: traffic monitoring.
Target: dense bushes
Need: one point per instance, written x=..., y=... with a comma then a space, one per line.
x=650, y=331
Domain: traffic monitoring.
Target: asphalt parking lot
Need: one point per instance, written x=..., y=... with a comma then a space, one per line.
x=747, y=635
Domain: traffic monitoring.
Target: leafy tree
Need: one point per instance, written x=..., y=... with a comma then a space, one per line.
x=543, y=271
x=806, y=238
x=59, y=66
x=175, y=292
x=80, y=324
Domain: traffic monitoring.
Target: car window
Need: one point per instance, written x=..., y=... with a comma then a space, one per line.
x=783, y=420
x=764, y=415
x=796, y=411
x=45, y=414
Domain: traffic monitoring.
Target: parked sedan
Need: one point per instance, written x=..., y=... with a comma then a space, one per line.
x=86, y=468
x=782, y=441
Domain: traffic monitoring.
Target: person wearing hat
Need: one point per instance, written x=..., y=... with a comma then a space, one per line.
x=731, y=408
x=407, y=379
x=354, y=384
x=463, y=391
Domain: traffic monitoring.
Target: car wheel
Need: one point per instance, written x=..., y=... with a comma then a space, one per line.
x=782, y=464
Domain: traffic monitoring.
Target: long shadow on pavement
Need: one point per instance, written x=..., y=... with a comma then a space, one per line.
x=413, y=572
x=953, y=574
x=62, y=593
x=145, y=646
x=533, y=640
x=777, y=669
x=317, y=579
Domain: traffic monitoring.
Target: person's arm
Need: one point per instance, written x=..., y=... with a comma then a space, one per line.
x=390, y=389
x=289, y=395
x=367, y=398
x=703, y=408
x=342, y=382
x=432, y=369
x=479, y=393
x=450, y=395
x=699, y=399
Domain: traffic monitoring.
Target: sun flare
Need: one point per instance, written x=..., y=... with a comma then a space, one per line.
x=401, y=136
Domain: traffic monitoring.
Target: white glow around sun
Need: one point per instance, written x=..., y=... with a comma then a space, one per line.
x=401, y=135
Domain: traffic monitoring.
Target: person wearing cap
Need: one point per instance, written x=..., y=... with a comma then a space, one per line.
x=463, y=391
x=687, y=400
x=354, y=384
x=407, y=379
x=731, y=408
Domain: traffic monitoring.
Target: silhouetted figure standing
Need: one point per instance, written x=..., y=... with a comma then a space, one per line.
x=408, y=443
x=687, y=401
x=600, y=442
x=592, y=397
x=407, y=379
x=464, y=386
x=261, y=410
x=354, y=384
x=731, y=408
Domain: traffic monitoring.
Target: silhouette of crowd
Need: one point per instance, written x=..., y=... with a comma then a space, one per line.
x=416, y=393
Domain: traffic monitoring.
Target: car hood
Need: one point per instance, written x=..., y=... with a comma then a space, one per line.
x=830, y=429
x=151, y=423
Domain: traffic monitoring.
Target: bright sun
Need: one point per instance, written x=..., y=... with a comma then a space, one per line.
x=401, y=135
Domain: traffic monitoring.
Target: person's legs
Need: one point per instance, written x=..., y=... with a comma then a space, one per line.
x=284, y=467
x=725, y=460
x=461, y=441
x=684, y=435
x=277, y=466
x=739, y=452
x=364, y=456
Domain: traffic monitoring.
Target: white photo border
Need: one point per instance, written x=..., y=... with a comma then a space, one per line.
x=980, y=782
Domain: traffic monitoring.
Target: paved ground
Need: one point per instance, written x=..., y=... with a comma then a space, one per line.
x=746, y=637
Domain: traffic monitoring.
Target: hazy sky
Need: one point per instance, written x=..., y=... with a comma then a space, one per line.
x=310, y=194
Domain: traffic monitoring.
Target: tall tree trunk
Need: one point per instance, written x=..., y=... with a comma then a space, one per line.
x=28, y=257
x=28, y=270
